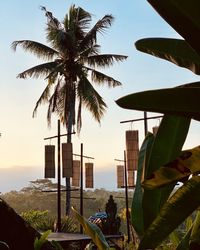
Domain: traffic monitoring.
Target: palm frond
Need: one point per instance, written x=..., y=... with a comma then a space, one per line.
x=100, y=27
x=62, y=102
x=104, y=23
x=53, y=76
x=64, y=42
x=91, y=99
x=41, y=70
x=56, y=33
x=76, y=22
x=52, y=21
x=91, y=50
x=104, y=60
x=54, y=101
x=36, y=48
x=84, y=19
x=79, y=16
x=44, y=98
x=102, y=79
x=79, y=116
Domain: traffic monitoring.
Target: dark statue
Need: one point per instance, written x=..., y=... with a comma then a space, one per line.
x=111, y=225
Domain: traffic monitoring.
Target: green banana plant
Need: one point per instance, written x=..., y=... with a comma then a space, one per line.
x=39, y=241
x=178, y=170
x=183, y=16
x=181, y=241
x=181, y=101
x=184, y=243
x=195, y=233
x=93, y=231
x=177, y=51
x=137, y=209
x=166, y=147
x=191, y=237
x=172, y=214
x=155, y=151
x=164, y=215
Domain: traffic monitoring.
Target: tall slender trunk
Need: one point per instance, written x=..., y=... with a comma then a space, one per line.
x=70, y=102
x=67, y=179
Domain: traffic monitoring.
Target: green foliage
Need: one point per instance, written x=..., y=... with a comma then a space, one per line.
x=56, y=245
x=174, y=238
x=39, y=242
x=173, y=50
x=32, y=198
x=166, y=169
x=137, y=212
x=170, y=101
x=42, y=221
x=178, y=170
x=155, y=152
x=195, y=233
x=93, y=231
x=68, y=225
x=187, y=18
x=74, y=59
x=173, y=213
x=129, y=246
x=184, y=231
x=34, y=216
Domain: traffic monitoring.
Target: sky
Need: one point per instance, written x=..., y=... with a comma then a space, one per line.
x=22, y=141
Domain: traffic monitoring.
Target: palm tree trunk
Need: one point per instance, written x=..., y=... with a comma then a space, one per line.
x=68, y=196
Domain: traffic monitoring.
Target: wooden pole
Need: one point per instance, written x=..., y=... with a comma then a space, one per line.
x=81, y=187
x=59, y=184
x=126, y=197
x=58, y=136
x=145, y=123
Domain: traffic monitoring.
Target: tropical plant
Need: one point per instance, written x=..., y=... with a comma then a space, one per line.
x=35, y=218
x=156, y=212
x=93, y=231
x=42, y=221
x=40, y=241
x=73, y=58
x=98, y=238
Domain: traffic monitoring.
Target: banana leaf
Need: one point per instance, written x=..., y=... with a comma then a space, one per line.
x=181, y=204
x=195, y=234
x=167, y=146
x=182, y=101
x=183, y=16
x=174, y=238
x=176, y=51
x=184, y=243
x=137, y=202
x=189, y=85
x=186, y=164
x=93, y=231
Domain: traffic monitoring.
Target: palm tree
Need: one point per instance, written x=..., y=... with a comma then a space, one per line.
x=70, y=70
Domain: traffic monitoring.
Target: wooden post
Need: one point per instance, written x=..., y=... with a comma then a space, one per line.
x=81, y=187
x=126, y=197
x=59, y=183
x=58, y=136
x=145, y=123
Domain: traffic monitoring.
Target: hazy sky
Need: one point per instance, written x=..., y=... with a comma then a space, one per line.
x=22, y=144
